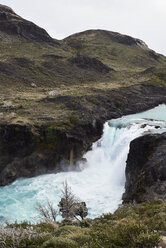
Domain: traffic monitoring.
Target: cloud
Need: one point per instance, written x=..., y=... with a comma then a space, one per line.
x=144, y=19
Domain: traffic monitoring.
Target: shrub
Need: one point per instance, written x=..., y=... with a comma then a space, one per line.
x=81, y=238
x=66, y=230
x=47, y=212
x=18, y=237
x=60, y=242
x=147, y=240
x=125, y=233
x=85, y=223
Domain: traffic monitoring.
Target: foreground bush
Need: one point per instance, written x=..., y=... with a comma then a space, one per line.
x=18, y=237
x=126, y=233
x=60, y=243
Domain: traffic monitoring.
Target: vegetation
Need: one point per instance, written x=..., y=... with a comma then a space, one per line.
x=131, y=226
x=48, y=212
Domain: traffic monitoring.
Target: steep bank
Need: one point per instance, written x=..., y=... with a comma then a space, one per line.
x=146, y=169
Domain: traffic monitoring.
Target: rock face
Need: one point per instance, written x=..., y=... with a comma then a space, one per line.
x=146, y=169
x=26, y=153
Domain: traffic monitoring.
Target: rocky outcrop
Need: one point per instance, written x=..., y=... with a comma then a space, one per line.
x=146, y=169
x=13, y=24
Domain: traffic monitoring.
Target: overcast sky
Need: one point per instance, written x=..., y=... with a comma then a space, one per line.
x=143, y=19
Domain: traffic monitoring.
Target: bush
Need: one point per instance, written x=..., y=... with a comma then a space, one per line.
x=81, y=238
x=60, y=242
x=147, y=240
x=125, y=233
x=18, y=237
x=65, y=230
x=85, y=223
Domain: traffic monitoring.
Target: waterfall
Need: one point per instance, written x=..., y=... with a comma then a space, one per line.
x=101, y=181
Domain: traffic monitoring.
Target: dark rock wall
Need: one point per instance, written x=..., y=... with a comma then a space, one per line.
x=146, y=169
x=28, y=152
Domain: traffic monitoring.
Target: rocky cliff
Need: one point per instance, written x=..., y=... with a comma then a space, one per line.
x=146, y=169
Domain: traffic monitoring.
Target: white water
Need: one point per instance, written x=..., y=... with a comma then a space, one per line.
x=100, y=184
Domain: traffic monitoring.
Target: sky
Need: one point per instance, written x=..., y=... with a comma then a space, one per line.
x=143, y=19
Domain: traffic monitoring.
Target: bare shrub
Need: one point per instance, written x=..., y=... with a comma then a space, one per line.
x=16, y=237
x=47, y=212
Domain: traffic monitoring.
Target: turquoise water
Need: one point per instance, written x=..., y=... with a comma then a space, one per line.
x=100, y=183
